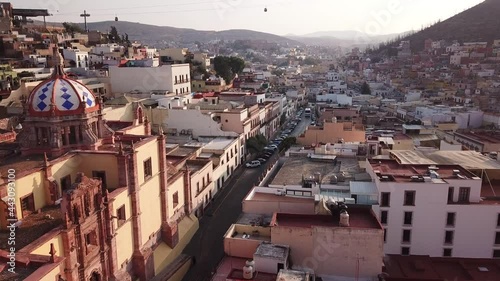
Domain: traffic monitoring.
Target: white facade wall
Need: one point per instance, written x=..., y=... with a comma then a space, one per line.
x=200, y=124
x=475, y=224
x=80, y=58
x=413, y=96
x=335, y=98
x=146, y=79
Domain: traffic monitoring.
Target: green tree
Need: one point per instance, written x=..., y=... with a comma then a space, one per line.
x=256, y=144
x=228, y=67
x=72, y=28
x=365, y=89
x=114, y=37
x=309, y=61
x=287, y=143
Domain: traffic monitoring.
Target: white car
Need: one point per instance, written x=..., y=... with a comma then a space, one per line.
x=253, y=164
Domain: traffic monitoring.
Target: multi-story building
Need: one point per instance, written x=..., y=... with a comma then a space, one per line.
x=91, y=200
x=436, y=210
x=173, y=78
x=76, y=57
x=333, y=132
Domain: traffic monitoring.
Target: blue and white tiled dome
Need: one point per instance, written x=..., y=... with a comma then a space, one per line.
x=67, y=96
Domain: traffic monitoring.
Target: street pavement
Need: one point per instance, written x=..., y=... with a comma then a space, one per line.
x=206, y=246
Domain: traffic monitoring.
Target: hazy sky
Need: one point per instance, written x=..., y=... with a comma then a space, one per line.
x=283, y=16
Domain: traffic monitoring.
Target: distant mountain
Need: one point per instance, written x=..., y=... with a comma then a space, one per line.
x=346, y=38
x=160, y=35
x=480, y=23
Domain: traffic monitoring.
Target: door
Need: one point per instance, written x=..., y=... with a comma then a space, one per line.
x=100, y=175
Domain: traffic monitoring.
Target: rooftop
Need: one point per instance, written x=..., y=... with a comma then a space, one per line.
x=34, y=226
x=422, y=268
x=272, y=251
x=397, y=172
x=359, y=217
x=481, y=136
x=231, y=267
x=297, y=168
x=468, y=159
x=219, y=144
x=292, y=275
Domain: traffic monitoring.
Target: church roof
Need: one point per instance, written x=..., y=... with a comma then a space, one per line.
x=62, y=95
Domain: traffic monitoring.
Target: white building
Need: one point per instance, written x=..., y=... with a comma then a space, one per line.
x=173, y=78
x=81, y=59
x=341, y=99
x=227, y=151
x=413, y=95
x=443, y=114
x=435, y=210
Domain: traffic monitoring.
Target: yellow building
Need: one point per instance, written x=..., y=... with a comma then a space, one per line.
x=89, y=198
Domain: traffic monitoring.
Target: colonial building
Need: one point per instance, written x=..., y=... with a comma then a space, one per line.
x=91, y=199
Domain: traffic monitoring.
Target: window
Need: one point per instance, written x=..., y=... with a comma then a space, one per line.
x=100, y=175
x=120, y=215
x=448, y=237
x=409, y=198
x=406, y=236
x=198, y=187
x=27, y=205
x=463, y=194
x=497, y=238
x=208, y=178
x=498, y=220
x=91, y=238
x=66, y=183
x=450, y=194
x=385, y=235
x=450, y=219
x=405, y=251
x=447, y=252
x=383, y=217
x=148, y=169
x=175, y=199
x=496, y=253
x=408, y=218
x=386, y=199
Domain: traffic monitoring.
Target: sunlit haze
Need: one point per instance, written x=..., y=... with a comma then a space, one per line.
x=283, y=16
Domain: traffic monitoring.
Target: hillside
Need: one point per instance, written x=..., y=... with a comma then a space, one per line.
x=161, y=35
x=479, y=23
x=341, y=38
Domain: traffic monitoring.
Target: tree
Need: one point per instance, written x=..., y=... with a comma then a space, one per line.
x=72, y=28
x=256, y=144
x=114, y=37
x=228, y=67
x=309, y=61
x=365, y=89
x=287, y=143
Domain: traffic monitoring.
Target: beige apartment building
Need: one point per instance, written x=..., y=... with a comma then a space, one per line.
x=333, y=132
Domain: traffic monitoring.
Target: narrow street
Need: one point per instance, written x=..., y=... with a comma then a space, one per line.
x=207, y=244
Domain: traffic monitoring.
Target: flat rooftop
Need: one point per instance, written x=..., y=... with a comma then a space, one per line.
x=292, y=275
x=182, y=151
x=425, y=268
x=468, y=159
x=397, y=172
x=483, y=137
x=358, y=218
x=231, y=268
x=219, y=144
x=297, y=168
x=272, y=251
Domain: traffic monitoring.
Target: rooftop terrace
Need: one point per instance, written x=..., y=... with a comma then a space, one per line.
x=425, y=268
x=296, y=169
x=397, y=172
x=358, y=218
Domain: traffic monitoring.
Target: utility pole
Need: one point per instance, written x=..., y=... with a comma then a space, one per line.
x=85, y=16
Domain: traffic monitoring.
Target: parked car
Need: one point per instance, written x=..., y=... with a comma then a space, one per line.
x=253, y=164
x=273, y=146
x=262, y=160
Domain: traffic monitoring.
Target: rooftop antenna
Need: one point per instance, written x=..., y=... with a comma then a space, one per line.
x=85, y=15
